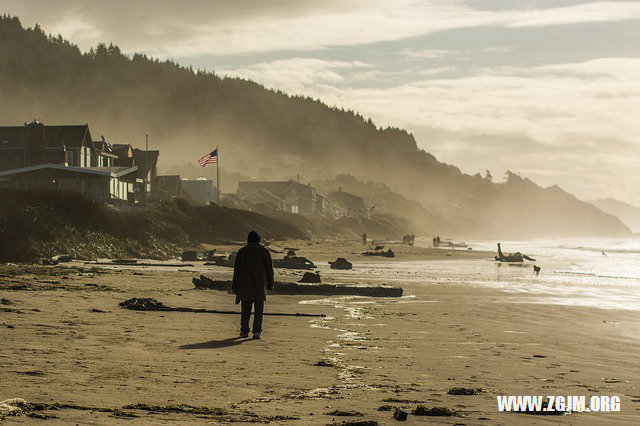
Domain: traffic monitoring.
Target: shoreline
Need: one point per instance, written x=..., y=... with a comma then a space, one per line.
x=79, y=347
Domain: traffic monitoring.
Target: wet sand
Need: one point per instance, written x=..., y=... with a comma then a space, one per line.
x=64, y=339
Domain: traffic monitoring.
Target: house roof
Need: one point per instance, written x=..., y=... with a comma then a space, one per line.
x=145, y=160
x=71, y=136
x=104, y=171
x=101, y=146
x=347, y=200
x=263, y=193
x=124, y=161
x=122, y=150
x=273, y=187
x=277, y=188
x=114, y=171
x=345, y=196
x=104, y=149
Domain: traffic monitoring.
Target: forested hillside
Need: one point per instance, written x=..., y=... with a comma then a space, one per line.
x=264, y=132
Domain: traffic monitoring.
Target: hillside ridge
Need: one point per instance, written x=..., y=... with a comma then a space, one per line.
x=264, y=132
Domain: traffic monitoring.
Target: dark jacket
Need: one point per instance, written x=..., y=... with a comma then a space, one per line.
x=253, y=273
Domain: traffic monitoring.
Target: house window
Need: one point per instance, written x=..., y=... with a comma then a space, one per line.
x=294, y=209
x=69, y=160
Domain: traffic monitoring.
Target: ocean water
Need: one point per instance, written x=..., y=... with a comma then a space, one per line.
x=573, y=272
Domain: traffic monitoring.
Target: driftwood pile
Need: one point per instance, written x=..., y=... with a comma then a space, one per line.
x=388, y=253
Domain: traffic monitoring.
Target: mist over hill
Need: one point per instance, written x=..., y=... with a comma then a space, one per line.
x=628, y=214
x=270, y=134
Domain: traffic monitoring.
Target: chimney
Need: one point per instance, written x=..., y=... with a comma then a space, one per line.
x=35, y=142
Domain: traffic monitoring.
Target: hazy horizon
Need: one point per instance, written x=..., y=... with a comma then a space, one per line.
x=547, y=89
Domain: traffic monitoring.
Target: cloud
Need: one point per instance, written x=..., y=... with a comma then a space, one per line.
x=498, y=49
x=296, y=74
x=577, y=14
x=621, y=68
x=597, y=97
x=217, y=27
x=574, y=123
x=428, y=53
x=475, y=98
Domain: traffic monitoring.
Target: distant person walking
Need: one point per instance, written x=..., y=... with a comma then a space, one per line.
x=252, y=277
x=364, y=238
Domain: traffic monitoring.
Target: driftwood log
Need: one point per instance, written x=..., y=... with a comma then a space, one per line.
x=314, y=289
x=513, y=257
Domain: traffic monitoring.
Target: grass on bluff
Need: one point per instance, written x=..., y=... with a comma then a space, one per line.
x=41, y=223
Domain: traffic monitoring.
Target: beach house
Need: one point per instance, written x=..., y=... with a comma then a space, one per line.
x=64, y=157
x=289, y=195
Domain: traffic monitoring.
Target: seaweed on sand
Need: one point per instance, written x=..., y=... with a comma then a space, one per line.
x=151, y=304
x=344, y=413
x=386, y=408
x=421, y=410
x=402, y=401
x=180, y=408
x=466, y=391
x=17, y=407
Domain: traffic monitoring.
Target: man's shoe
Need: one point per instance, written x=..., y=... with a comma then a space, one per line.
x=244, y=334
x=256, y=336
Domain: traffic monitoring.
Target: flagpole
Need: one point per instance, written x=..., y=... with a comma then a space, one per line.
x=218, y=176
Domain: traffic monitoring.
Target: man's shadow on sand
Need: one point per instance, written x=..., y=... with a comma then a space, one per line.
x=216, y=344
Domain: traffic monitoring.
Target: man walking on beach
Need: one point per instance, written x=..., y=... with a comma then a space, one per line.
x=252, y=277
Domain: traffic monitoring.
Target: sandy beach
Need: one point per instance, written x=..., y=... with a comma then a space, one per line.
x=65, y=340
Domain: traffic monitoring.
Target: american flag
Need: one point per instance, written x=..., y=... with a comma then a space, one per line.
x=210, y=158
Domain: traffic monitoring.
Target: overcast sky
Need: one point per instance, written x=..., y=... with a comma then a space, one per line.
x=547, y=88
